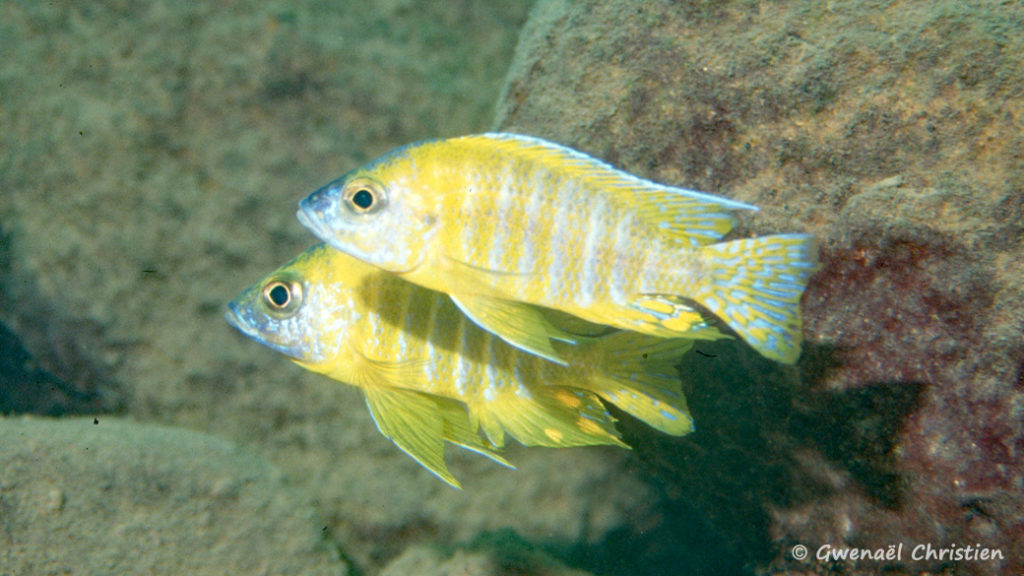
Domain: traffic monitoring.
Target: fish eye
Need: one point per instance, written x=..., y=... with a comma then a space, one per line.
x=363, y=199
x=363, y=196
x=282, y=296
x=278, y=295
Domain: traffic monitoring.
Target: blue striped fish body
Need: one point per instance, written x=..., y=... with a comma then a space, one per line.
x=503, y=222
x=430, y=375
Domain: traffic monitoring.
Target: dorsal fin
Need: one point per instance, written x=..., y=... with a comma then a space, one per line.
x=681, y=215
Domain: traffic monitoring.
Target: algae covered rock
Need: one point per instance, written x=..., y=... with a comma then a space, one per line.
x=478, y=561
x=892, y=132
x=106, y=496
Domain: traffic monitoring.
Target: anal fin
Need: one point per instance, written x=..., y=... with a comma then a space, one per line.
x=640, y=375
x=554, y=416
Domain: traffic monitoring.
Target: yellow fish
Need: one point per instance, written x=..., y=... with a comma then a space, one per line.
x=429, y=375
x=504, y=223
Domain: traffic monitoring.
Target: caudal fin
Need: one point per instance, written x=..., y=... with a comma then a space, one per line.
x=755, y=285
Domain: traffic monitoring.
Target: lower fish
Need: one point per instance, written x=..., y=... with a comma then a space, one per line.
x=430, y=375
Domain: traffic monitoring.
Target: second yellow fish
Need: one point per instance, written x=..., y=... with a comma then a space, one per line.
x=429, y=375
x=501, y=222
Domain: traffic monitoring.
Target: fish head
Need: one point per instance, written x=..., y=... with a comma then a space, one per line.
x=297, y=310
x=373, y=215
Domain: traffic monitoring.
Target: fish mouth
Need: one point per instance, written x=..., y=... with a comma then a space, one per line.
x=314, y=220
x=235, y=320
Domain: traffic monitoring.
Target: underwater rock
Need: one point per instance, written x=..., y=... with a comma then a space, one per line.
x=477, y=561
x=151, y=160
x=108, y=496
x=890, y=133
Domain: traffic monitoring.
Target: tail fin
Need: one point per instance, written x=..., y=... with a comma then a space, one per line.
x=755, y=287
x=640, y=375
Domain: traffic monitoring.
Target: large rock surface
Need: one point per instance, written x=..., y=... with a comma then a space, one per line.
x=507, y=561
x=891, y=131
x=152, y=155
x=106, y=496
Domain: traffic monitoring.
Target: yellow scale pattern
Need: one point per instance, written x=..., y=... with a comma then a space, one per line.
x=501, y=221
x=430, y=375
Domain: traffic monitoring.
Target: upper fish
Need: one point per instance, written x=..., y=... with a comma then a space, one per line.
x=431, y=376
x=504, y=223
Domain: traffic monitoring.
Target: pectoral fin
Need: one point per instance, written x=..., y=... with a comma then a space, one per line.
x=521, y=325
x=580, y=329
x=413, y=422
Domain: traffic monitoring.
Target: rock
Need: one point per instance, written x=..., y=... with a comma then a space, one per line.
x=501, y=560
x=151, y=159
x=108, y=496
x=891, y=133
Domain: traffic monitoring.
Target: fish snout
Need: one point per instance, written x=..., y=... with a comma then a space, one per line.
x=233, y=317
x=314, y=214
